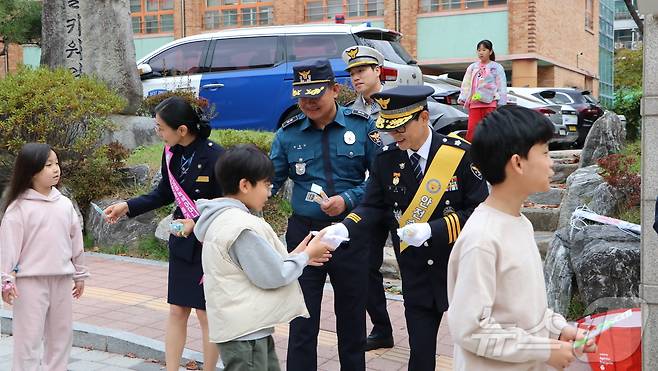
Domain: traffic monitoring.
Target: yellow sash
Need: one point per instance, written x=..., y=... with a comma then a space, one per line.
x=431, y=189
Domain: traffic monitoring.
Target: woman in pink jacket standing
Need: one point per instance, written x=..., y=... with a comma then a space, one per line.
x=484, y=86
x=42, y=261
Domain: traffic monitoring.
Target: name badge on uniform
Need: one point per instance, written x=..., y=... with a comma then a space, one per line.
x=203, y=179
x=349, y=137
x=300, y=168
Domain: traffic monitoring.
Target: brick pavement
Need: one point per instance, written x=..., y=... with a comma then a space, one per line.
x=130, y=295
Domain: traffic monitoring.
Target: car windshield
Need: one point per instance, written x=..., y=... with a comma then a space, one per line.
x=387, y=44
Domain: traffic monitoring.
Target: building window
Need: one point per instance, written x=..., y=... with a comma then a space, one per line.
x=589, y=14
x=319, y=10
x=234, y=13
x=152, y=16
x=427, y=6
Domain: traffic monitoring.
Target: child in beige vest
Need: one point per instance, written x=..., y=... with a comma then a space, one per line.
x=250, y=279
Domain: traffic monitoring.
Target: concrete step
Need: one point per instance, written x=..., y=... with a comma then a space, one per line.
x=542, y=219
x=552, y=197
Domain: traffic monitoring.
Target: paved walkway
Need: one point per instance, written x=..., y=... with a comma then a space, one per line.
x=130, y=295
x=87, y=360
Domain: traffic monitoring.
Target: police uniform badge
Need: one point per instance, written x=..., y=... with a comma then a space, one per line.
x=300, y=168
x=349, y=137
x=476, y=172
x=396, y=178
x=453, y=185
x=375, y=137
x=401, y=165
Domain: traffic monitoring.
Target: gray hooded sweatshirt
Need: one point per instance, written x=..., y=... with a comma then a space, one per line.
x=262, y=265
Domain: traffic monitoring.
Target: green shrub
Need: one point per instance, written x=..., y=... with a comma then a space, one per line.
x=54, y=107
x=149, y=103
x=228, y=138
x=627, y=103
x=346, y=95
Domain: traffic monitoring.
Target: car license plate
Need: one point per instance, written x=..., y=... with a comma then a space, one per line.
x=563, y=132
x=569, y=119
x=572, y=128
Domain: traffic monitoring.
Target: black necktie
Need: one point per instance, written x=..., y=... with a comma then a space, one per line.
x=415, y=164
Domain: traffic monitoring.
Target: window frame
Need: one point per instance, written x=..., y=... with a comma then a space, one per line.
x=144, y=13
x=239, y=8
x=440, y=6
x=589, y=15
x=345, y=6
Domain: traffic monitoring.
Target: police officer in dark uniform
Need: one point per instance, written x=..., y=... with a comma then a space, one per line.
x=427, y=182
x=326, y=151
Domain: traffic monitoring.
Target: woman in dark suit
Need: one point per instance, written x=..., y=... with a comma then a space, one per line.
x=191, y=163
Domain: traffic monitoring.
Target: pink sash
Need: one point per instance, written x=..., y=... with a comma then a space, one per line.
x=187, y=206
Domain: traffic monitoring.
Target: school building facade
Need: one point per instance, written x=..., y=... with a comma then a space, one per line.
x=539, y=42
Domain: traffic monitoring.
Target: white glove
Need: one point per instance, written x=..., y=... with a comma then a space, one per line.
x=415, y=234
x=335, y=235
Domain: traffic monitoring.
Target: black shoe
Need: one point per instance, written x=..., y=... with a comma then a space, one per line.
x=378, y=342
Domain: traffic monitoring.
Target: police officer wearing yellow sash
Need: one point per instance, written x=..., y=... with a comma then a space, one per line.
x=427, y=182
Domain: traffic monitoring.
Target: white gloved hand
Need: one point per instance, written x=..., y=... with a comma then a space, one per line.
x=415, y=234
x=335, y=235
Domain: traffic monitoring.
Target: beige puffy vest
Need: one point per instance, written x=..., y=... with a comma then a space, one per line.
x=235, y=306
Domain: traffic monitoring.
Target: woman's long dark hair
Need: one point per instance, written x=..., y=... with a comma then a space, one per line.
x=30, y=160
x=489, y=46
x=175, y=112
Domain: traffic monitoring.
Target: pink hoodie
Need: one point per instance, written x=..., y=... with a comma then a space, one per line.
x=42, y=236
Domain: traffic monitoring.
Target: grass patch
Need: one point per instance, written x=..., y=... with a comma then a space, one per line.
x=152, y=155
x=576, y=306
x=147, y=248
x=631, y=215
x=276, y=213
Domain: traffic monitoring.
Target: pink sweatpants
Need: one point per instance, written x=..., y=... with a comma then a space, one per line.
x=43, y=312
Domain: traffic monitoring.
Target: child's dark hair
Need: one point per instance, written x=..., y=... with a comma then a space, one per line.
x=244, y=161
x=175, y=111
x=487, y=45
x=30, y=160
x=507, y=131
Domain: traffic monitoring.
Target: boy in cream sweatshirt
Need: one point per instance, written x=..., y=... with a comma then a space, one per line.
x=250, y=280
x=498, y=314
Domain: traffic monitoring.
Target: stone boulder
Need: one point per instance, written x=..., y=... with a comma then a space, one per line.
x=558, y=272
x=132, y=131
x=137, y=175
x=580, y=190
x=607, y=200
x=606, y=137
x=93, y=38
x=127, y=232
x=606, y=262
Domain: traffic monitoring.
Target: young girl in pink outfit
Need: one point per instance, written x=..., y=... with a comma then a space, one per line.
x=41, y=260
x=484, y=86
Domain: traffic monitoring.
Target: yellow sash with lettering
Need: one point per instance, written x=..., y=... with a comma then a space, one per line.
x=431, y=189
